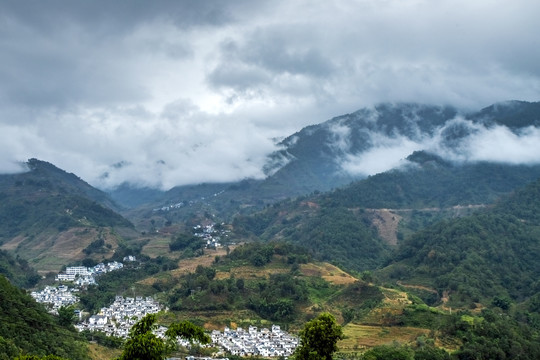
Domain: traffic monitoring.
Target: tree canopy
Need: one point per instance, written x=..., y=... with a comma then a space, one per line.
x=143, y=344
x=318, y=339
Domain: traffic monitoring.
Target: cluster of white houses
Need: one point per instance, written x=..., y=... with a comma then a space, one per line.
x=79, y=276
x=266, y=343
x=56, y=296
x=210, y=234
x=82, y=275
x=118, y=318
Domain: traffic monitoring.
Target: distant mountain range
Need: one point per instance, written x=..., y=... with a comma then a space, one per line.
x=352, y=147
x=425, y=154
x=443, y=219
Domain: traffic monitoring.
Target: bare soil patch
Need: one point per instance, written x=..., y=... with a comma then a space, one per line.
x=386, y=223
x=328, y=272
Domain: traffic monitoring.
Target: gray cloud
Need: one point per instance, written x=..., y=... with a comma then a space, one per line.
x=470, y=143
x=189, y=91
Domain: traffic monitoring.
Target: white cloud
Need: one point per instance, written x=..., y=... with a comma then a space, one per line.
x=459, y=140
x=388, y=153
x=85, y=85
x=499, y=144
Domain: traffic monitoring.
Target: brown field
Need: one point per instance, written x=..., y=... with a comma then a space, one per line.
x=186, y=266
x=252, y=272
x=189, y=265
x=157, y=246
x=49, y=252
x=358, y=337
x=328, y=272
x=386, y=223
x=13, y=243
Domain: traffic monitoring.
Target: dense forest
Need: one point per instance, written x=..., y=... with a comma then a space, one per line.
x=26, y=328
x=476, y=258
x=17, y=270
x=336, y=234
x=336, y=227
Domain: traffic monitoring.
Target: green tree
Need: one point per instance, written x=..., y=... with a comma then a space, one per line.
x=8, y=350
x=35, y=357
x=386, y=352
x=502, y=302
x=318, y=339
x=66, y=316
x=142, y=344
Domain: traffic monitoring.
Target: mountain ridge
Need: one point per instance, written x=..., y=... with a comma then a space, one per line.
x=348, y=148
x=49, y=216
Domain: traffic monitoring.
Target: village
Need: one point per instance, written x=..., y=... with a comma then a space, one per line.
x=56, y=297
x=117, y=319
x=80, y=276
x=120, y=316
x=265, y=343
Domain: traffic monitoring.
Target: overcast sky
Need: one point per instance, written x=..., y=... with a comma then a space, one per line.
x=162, y=93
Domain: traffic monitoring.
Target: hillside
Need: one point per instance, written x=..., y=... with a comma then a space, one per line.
x=255, y=283
x=42, y=174
x=49, y=217
x=348, y=148
x=26, y=328
x=475, y=259
x=431, y=182
x=276, y=283
x=354, y=225
x=336, y=234
x=17, y=270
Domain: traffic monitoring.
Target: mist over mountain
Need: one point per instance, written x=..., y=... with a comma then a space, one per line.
x=441, y=219
x=369, y=141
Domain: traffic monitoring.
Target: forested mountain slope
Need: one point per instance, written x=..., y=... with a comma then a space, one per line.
x=47, y=214
x=17, y=270
x=493, y=253
x=46, y=197
x=373, y=140
x=430, y=181
x=26, y=328
x=339, y=226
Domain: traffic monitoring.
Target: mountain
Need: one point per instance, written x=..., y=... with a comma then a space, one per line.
x=429, y=181
x=313, y=158
x=49, y=217
x=357, y=225
x=26, y=328
x=42, y=174
x=488, y=255
x=512, y=114
x=17, y=270
x=346, y=149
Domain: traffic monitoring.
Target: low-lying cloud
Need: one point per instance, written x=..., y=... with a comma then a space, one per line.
x=182, y=92
x=497, y=144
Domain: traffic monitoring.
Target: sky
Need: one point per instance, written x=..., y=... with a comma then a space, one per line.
x=165, y=93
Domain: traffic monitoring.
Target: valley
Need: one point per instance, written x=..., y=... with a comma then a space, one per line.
x=430, y=256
